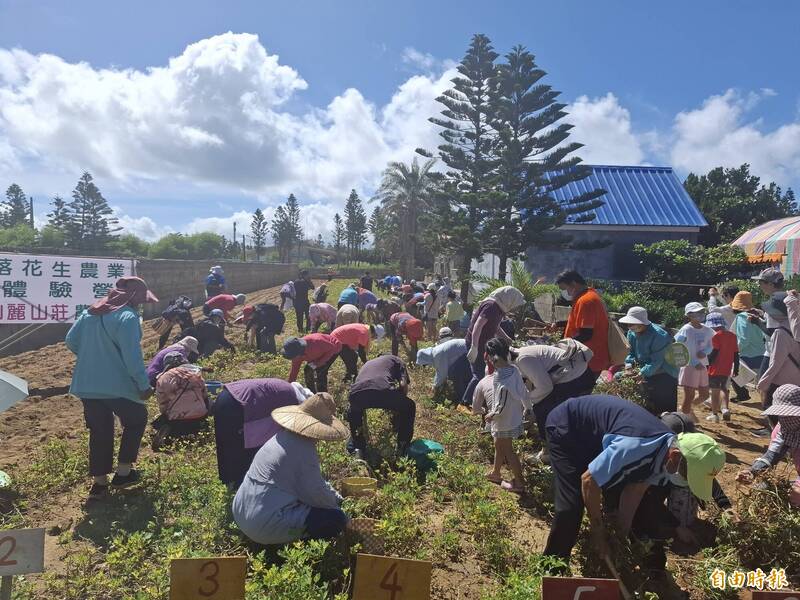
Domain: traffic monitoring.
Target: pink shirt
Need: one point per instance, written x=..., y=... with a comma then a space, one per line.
x=353, y=335
x=322, y=313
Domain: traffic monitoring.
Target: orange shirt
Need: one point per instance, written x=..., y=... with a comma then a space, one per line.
x=352, y=335
x=589, y=312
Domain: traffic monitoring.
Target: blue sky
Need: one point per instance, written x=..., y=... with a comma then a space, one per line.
x=321, y=94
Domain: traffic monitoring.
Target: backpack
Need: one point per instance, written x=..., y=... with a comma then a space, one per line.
x=181, y=395
x=269, y=316
x=180, y=303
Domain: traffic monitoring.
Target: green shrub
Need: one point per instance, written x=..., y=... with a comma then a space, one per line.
x=525, y=583
x=298, y=577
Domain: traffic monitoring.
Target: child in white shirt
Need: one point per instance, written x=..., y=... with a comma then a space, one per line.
x=694, y=376
x=509, y=400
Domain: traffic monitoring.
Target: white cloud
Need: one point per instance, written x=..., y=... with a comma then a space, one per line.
x=718, y=134
x=421, y=60
x=214, y=116
x=604, y=127
x=143, y=227
x=223, y=225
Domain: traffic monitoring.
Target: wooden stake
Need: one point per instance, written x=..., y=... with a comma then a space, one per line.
x=6, y=583
x=625, y=593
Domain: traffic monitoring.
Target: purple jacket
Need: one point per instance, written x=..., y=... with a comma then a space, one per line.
x=157, y=364
x=259, y=397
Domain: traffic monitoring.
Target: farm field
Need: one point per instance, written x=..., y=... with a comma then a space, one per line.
x=482, y=541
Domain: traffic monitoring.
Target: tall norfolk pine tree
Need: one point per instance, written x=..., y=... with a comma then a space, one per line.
x=506, y=155
x=91, y=220
x=468, y=153
x=355, y=223
x=258, y=229
x=532, y=162
x=16, y=207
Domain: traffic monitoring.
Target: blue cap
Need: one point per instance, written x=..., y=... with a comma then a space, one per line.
x=715, y=320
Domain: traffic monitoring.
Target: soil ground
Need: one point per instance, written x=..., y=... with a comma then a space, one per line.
x=50, y=413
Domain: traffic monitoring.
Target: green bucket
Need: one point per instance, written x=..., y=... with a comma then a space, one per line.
x=422, y=451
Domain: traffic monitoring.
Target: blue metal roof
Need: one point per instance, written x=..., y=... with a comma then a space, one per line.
x=637, y=196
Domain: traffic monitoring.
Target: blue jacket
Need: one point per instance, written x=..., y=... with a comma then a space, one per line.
x=109, y=356
x=648, y=350
x=349, y=296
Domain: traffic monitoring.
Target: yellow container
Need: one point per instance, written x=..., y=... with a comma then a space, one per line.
x=359, y=486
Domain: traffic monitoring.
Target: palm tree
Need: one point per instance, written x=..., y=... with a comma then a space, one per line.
x=404, y=193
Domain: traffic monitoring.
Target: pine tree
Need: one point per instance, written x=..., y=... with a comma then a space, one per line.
x=16, y=208
x=285, y=227
x=92, y=222
x=295, y=233
x=59, y=219
x=258, y=228
x=355, y=222
x=468, y=152
x=339, y=236
x=532, y=162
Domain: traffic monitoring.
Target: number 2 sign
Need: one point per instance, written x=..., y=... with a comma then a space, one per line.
x=389, y=578
x=220, y=578
x=21, y=551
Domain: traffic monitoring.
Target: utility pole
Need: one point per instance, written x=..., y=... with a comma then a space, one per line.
x=31, y=212
x=244, y=249
x=233, y=247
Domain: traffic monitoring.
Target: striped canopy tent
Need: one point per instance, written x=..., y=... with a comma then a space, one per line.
x=775, y=242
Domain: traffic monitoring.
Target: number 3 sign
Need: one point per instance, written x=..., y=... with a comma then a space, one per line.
x=389, y=578
x=207, y=578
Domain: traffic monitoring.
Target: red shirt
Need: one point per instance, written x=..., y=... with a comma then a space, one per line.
x=589, y=312
x=407, y=325
x=726, y=345
x=320, y=348
x=352, y=335
x=225, y=302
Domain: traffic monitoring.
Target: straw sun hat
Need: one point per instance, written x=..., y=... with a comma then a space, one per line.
x=312, y=419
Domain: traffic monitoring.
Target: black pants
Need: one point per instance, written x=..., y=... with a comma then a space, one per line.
x=580, y=386
x=350, y=360
x=394, y=400
x=317, y=378
x=301, y=311
x=568, y=501
x=265, y=341
x=661, y=393
x=233, y=459
x=478, y=373
x=460, y=373
x=99, y=417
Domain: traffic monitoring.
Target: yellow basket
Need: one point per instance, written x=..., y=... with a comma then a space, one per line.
x=359, y=486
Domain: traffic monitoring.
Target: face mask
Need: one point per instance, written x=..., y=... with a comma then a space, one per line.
x=566, y=295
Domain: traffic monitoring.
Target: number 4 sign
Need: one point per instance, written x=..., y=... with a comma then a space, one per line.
x=389, y=578
x=575, y=588
x=207, y=578
x=21, y=552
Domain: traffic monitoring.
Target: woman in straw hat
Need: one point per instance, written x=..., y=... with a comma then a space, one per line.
x=284, y=497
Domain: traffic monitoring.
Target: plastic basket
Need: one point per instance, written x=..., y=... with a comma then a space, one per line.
x=214, y=387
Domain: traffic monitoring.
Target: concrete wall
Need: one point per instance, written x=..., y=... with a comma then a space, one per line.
x=167, y=279
x=614, y=261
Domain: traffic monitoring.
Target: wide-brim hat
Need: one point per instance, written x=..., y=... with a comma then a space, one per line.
x=715, y=320
x=313, y=419
x=742, y=301
x=637, y=315
x=785, y=402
